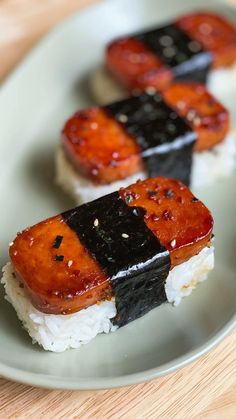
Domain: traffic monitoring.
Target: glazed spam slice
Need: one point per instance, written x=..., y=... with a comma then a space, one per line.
x=215, y=33
x=188, y=48
x=152, y=131
x=111, y=247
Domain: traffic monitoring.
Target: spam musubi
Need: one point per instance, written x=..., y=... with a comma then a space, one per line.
x=199, y=46
x=179, y=133
x=101, y=265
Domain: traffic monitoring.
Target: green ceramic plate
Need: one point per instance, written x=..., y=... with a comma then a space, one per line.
x=34, y=102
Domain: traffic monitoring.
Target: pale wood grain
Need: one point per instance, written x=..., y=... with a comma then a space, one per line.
x=204, y=389
x=23, y=22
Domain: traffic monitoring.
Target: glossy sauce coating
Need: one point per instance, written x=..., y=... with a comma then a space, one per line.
x=67, y=279
x=99, y=147
x=182, y=224
x=209, y=119
x=215, y=33
x=135, y=66
x=54, y=285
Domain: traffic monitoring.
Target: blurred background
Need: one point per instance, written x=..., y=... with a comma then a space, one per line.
x=23, y=22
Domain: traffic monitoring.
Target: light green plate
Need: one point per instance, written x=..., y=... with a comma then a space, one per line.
x=34, y=102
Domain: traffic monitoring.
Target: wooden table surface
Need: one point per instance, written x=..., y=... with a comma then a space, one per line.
x=204, y=389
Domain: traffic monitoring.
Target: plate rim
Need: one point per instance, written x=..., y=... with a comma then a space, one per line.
x=100, y=383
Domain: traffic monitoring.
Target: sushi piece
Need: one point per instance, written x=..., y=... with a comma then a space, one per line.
x=199, y=46
x=179, y=133
x=99, y=266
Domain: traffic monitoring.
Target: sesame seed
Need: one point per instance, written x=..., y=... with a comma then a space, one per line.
x=94, y=125
x=69, y=263
x=191, y=115
x=95, y=223
x=115, y=155
x=169, y=52
x=15, y=253
x=125, y=236
x=180, y=104
x=11, y=244
x=197, y=121
x=94, y=172
x=166, y=40
x=194, y=46
x=122, y=118
x=173, y=243
x=150, y=90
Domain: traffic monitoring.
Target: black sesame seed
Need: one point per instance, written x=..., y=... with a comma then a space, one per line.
x=58, y=258
x=169, y=193
x=113, y=163
x=194, y=199
x=152, y=193
x=57, y=242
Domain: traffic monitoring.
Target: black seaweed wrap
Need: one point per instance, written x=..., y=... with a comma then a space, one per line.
x=165, y=139
x=186, y=57
x=130, y=254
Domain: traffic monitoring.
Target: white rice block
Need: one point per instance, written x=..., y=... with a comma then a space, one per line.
x=215, y=163
x=81, y=188
x=222, y=84
x=208, y=166
x=183, y=278
x=105, y=89
x=57, y=333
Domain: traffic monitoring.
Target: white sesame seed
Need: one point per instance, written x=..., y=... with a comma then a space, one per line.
x=15, y=253
x=94, y=125
x=125, y=235
x=173, y=243
x=95, y=223
x=180, y=104
x=150, y=90
x=197, y=121
x=69, y=263
x=191, y=115
x=115, y=155
x=11, y=244
x=122, y=118
x=94, y=173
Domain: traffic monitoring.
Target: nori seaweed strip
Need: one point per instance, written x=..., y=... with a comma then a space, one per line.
x=165, y=139
x=131, y=255
x=186, y=57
